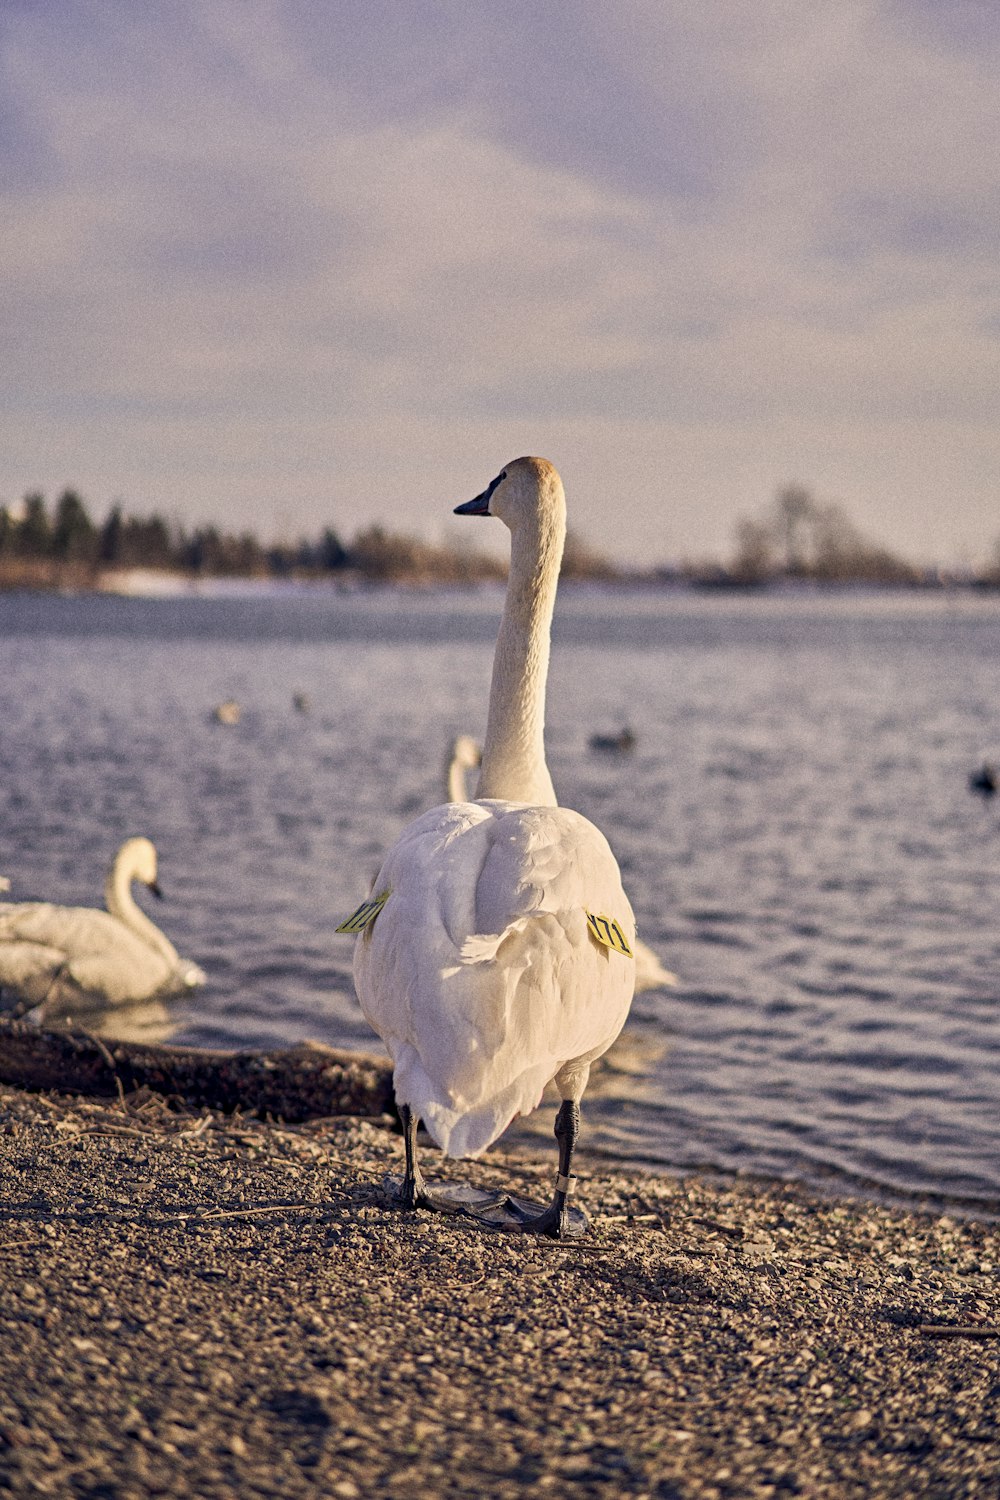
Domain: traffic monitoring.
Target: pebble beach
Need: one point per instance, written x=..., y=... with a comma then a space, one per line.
x=199, y=1304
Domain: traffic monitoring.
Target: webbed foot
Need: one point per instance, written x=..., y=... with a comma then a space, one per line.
x=557, y=1222
x=554, y=1223
x=412, y=1194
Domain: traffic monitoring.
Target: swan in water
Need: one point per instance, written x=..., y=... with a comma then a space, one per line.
x=464, y=756
x=649, y=972
x=228, y=712
x=79, y=955
x=495, y=953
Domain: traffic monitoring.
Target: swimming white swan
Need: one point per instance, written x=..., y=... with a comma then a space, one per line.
x=464, y=756
x=649, y=972
x=496, y=953
x=80, y=955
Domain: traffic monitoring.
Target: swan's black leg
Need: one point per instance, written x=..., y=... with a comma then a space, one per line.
x=555, y=1220
x=499, y=1210
x=413, y=1193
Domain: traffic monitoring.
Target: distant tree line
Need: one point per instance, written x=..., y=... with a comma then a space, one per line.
x=42, y=546
x=797, y=537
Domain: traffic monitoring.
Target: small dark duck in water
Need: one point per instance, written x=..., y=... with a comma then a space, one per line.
x=985, y=780
x=622, y=743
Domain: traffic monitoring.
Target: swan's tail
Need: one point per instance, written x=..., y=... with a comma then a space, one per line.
x=459, y=1130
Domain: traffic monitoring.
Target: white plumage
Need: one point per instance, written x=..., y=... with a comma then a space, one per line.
x=479, y=972
x=480, y=975
x=464, y=756
x=80, y=955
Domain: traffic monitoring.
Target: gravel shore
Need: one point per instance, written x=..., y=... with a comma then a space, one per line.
x=207, y=1306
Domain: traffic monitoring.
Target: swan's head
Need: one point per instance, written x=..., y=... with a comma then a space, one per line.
x=526, y=492
x=137, y=859
x=465, y=752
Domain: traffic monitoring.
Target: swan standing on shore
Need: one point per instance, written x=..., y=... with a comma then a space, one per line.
x=79, y=955
x=464, y=756
x=496, y=953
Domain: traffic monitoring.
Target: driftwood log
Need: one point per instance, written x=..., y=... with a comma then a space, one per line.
x=293, y=1083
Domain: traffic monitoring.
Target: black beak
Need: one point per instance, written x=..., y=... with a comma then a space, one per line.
x=156, y=890
x=478, y=507
x=481, y=505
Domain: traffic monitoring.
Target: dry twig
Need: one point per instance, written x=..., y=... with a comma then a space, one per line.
x=960, y=1330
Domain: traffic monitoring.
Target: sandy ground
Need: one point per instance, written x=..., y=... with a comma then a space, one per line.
x=203, y=1306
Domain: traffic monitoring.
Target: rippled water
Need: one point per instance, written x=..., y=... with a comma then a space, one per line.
x=795, y=829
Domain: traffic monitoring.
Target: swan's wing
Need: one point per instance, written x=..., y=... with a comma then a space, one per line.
x=480, y=973
x=546, y=859
x=547, y=870
x=121, y=978
x=431, y=875
x=94, y=954
x=36, y=972
x=70, y=929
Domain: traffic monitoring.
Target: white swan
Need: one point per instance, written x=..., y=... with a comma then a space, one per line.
x=496, y=953
x=464, y=756
x=79, y=955
x=649, y=972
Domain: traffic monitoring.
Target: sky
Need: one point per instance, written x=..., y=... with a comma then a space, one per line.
x=283, y=264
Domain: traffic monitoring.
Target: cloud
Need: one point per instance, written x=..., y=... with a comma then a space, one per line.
x=286, y=262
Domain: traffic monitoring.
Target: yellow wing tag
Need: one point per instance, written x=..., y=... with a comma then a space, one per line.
x=608, y=934
x=365, y=914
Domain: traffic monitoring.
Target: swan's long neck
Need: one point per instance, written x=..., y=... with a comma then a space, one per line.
x=457, y=766
x=120, y=903
x=514, y=748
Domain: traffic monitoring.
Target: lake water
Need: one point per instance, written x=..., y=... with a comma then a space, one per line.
x=795, y=829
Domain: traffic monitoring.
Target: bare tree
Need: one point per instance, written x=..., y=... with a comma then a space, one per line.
x=795, y=509
x=755, y=560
